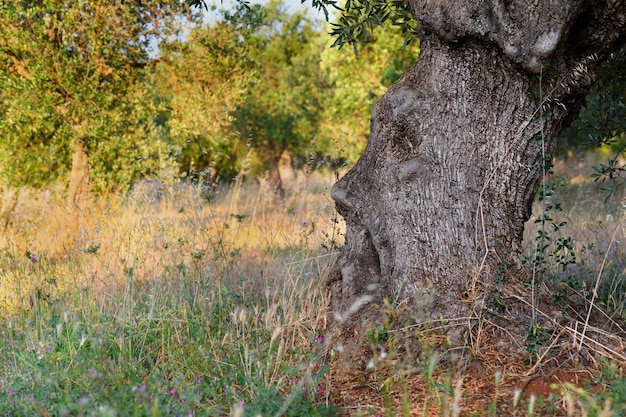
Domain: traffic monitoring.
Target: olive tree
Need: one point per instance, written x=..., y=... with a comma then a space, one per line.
x=71, y=93
x=436, y=205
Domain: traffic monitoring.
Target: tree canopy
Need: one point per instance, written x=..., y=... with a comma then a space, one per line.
x=252, y=84
x=71, y=73
x=85, y=77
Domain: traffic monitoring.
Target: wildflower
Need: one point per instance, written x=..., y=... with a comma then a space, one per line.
x=172, y=392
x=320, y=388
x=142, y=388
x=10, y=393
x=319, y=339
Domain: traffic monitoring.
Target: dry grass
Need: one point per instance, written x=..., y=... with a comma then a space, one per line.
x=168, y=254
x=163, y=276
x=239, y=233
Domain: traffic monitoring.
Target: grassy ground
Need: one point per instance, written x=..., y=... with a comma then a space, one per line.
x=167, y=304
x=186, y=302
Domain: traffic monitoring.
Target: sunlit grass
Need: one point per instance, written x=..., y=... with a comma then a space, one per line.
x=167, y=302
x=186, y=301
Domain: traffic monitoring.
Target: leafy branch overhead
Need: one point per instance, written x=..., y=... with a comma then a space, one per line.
x=357, y=19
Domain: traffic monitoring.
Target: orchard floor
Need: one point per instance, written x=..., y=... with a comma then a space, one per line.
x=182, y=300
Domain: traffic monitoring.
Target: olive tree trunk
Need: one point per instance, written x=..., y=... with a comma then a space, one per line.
x=9, y=204
x=435, y=207
x=78, y=189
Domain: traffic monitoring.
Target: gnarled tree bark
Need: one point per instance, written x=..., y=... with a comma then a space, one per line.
x=438, y=201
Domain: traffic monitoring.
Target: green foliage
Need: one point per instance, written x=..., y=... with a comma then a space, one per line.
x=601, y=123
x=552, y=248
x=357, y=82
x=71, y=72
x=200, y=82
x=233, y=93
x=359, y=18
x=603, y=118
x=283, y=105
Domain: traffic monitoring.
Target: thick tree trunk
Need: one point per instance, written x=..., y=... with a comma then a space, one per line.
x=435, y=208
x=286, y=171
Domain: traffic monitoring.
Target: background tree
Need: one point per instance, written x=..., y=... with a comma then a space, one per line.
x=601, y=122
x=201, y=81
x=283, y=105
x=70, y=94
x=602, y=119
x=357, y=81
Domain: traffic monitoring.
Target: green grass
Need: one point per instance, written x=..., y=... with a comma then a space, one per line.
x=158, y=349
x=178, y=301
x=165, y=308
